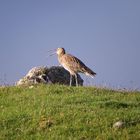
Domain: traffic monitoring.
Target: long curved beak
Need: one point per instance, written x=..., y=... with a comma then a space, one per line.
x=53, y=52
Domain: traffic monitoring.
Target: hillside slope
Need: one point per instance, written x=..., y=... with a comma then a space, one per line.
x=74, y=113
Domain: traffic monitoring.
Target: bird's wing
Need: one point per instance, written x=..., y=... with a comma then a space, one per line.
x=72, y=62
x=75, y=64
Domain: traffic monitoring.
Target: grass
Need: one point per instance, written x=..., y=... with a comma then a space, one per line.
x=57, y=112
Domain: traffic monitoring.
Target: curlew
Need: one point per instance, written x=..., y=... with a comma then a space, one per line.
x=73, y=65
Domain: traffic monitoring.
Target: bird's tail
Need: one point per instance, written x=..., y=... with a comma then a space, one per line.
x=89, y=72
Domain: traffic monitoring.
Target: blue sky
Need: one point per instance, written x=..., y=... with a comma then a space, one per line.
x=104, y=34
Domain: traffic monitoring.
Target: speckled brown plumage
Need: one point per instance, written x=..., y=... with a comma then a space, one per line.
x=73, y=64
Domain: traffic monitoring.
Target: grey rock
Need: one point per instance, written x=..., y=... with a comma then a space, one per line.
x=119, y=124
x=52, y=75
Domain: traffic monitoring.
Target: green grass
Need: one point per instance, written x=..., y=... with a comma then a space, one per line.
x=68, y=113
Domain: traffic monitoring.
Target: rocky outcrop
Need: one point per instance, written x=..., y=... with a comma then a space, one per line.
x=52, y=75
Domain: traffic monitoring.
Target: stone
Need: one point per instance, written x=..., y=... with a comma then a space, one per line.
x=52, y=75
x=57, y=74
x=119, y=124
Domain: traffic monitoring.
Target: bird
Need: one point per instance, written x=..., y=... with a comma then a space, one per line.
x=73, y=65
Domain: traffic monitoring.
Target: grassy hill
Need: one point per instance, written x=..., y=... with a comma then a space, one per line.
x=68, y=113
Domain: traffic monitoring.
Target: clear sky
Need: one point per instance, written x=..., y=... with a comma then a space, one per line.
x=104, y=34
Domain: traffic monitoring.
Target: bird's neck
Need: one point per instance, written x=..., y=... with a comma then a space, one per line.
x=61, y=54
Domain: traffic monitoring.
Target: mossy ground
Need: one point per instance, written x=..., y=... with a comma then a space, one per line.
x=57, y=112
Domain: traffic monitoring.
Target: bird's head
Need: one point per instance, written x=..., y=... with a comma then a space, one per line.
x=60, y=51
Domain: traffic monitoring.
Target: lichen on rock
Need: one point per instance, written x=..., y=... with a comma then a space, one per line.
x=52, y=75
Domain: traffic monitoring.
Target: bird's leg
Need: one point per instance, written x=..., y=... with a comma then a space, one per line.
x=76, y=80
x=70, y=79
